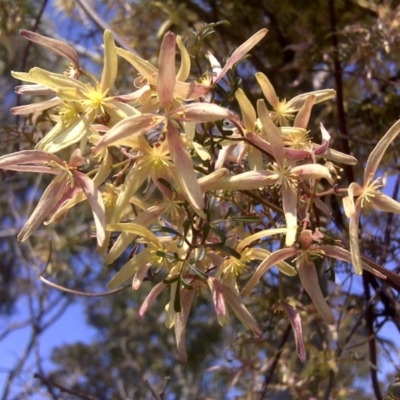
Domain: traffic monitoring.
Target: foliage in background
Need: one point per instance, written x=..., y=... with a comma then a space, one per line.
x=350, y=46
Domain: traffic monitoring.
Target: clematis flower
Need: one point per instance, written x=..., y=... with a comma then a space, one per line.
x=304, y=253
x=369, y=195
x=151, y=97
x=283, y=110
x=283, y=174
x=80, y=103
x=195, y=112
x=67, y=183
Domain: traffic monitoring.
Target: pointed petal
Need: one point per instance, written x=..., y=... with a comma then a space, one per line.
x=245, y=181
x=35, y=107
x=385, y=203
x=136, y=229
x=110, y=67
x=259, y=235
x=273, y=259
x=184, y=69
x=32, y=89
x=345, y=255
x=185, y=172
x=272, y=133
x=71, y=135
x=190, y=90
x=267, y=89
x=247, y=109
x=303, y=116
x=150, y=298
x=235, y=302
x=57, y=46
x=129, y=127
x=354, y=243
x=290, y=154
x=309, y=279
x=180, y=322
x=326, y=137
x=312, y=171
x=202, y=112
x=145, y=68
x=128, y=270
x=144, y=219
x=46, y=203
x=320, y=95
x=295, y=321
x=337, y=156
x=166, y=70
x=377, y=153
x=241, y=51
x=30, y=161
x=54, y=81
x=349, y=205
x=289, y=203
x=96, y=204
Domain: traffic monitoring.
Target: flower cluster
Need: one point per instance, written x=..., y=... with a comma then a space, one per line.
x=205, y=207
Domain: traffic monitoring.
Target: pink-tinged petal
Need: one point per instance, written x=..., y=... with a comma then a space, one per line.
x=30, y=161
x=57, y=46
x=312, y=171
x=272, y=132
x=289, y=203
x=190, y=90
x=378, y=152
x=218, y=298
x=326, y=137
x=110, y=67
x=320, y=95
x=37, y=90
x=353, y=239
x=166, y=70
x=185, y=172
x=241, y=51
x=150, y=298
x=385, y=203
x=133, y=97
x=267, y=89
x=249, y=180
x=309, y=279
x=247, y=109
x=265, y=265
x=337, y=156
x=77, y=160
x=35, y=107
x=295, y=321
x=180, y=321
x=303, y=116
x=209, y=180
x=145, y=68
x=235, y=302
x=128, y=270
x=202, y=112
x=45, y=206
x=184, y=69
x=96, y=204
x=342, y=254
x=129, y=127
x=290, y=154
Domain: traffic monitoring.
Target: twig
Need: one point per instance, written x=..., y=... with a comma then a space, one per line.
x=49, y=382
